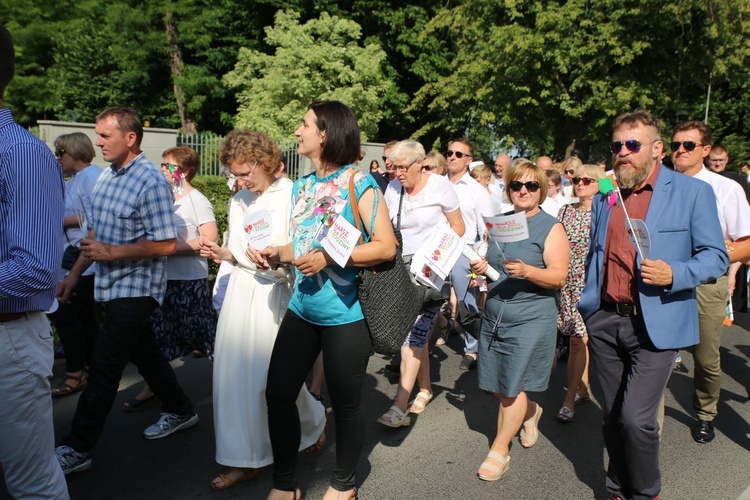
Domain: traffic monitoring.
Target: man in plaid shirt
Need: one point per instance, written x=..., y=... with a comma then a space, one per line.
x=134, y=231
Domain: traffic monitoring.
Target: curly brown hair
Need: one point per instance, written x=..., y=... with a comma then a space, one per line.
x=248, y=146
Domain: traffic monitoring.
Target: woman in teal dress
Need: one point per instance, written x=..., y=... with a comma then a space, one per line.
x=519, y=323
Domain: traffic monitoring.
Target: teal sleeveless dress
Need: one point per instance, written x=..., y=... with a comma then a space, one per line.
x=519, y=324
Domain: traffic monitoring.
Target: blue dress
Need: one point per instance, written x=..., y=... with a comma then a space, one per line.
x=519, y=323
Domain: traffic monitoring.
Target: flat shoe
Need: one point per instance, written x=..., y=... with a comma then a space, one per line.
x=582, y=399
x=565, y=414
x=420, y=402
x=228, y=481
x=395, y=418
x=65, y=389
x=495, y=471
x=136, y=404
x=527, y=441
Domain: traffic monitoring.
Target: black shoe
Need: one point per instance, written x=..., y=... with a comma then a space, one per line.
x=703, y=432
x=468, y=363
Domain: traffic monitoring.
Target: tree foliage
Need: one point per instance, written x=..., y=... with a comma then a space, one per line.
x=318, y=60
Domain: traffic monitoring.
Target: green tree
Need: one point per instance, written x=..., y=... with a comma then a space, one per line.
x=548, y=75
x=320, y=59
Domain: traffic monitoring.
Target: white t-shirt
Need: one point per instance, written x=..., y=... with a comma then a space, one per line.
x=475, y=204
x=190, y=212
x=421, y=213
x=734, y=211
x=78, y=191
x=553, y=205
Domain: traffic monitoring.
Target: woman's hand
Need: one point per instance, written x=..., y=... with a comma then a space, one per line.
x=479, y=266
x=260, y=260
x=516, y=268
x=312, y=262
x=211, y=250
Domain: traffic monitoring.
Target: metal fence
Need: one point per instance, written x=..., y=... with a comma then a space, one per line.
x=208, y=144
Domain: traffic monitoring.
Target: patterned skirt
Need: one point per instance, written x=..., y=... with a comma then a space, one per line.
x=186, y=319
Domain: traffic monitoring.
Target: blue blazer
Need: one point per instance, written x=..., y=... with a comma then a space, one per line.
x=683, y=222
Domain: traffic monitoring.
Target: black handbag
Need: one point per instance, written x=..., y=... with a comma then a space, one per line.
x=390, y=300
x=70, y=255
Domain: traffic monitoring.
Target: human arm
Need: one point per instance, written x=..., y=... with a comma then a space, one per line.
x=208, y=232
x=456, y=221
x=739, y=250
x=212, y=250
x=556, y=257
x=98, y=251
x=66, y=287
x=70, y=221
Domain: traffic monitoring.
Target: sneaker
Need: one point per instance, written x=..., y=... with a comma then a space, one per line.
x=71, y=460
x=170, y=423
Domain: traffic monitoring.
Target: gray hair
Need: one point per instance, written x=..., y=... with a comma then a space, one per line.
x=407, y=151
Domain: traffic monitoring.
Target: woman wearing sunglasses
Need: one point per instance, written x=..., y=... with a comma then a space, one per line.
x=519, y=324
x=576, y=218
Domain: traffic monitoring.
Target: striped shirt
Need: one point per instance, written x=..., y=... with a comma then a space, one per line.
x=31, y=220
x=132, y=204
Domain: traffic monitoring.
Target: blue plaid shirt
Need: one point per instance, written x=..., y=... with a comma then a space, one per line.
x=31, y=211
x=132, y=204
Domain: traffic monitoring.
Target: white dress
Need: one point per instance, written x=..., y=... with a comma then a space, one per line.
x=254, y=305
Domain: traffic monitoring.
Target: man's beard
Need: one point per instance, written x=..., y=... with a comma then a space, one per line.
x=630, y=177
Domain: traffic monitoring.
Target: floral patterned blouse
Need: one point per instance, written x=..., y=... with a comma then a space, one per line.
x=329, y=297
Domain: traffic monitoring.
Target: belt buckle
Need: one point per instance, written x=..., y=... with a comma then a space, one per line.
x=626, y=309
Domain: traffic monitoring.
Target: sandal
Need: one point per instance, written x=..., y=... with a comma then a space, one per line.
x=495, y=471
x=66, y=389
x=136, y=404
x=227, y=480
x=565, y=414
x=418, y=405
x=527, y=440
x=394, y=418
x=445, y=332
x=582, y=398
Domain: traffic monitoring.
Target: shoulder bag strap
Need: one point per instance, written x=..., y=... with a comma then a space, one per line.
x=355, y=206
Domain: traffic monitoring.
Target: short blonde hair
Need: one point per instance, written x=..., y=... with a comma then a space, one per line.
x=440, y=161
x=481, y=171
x=520, y=167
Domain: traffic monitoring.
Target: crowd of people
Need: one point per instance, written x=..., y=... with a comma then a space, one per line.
x=137, y=237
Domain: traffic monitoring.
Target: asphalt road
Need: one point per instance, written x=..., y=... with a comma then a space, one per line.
x=437, y=457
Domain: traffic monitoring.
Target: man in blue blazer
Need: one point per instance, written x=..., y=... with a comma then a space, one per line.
x=640, y=309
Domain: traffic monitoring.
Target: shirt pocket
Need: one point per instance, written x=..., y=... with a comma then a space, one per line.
x=128, y=226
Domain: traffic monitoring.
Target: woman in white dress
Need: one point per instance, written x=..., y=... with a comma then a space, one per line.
x=255, y=303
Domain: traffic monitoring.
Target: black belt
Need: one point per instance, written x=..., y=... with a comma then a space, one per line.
x=620, y=309
x=5, y=317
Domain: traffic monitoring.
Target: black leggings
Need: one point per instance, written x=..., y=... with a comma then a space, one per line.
x=346, y=351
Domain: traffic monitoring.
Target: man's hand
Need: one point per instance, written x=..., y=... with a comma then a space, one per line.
x=656, y=272
x=96, y=250
x=65, y=289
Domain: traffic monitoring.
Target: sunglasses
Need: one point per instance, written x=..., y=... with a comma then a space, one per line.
x=385, y=158
x=531, y=186
x=169, y=166
x=688, y=145
x=428, y=167
x=570, y=172
x=458, y=154
x=633, y=146
x=59, y=152
x=586, y=181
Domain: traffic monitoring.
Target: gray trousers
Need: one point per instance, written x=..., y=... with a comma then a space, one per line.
x=460, y=281
x=633, y=374
x=27, y=438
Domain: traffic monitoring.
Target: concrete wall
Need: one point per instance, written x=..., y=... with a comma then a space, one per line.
x=155, y=140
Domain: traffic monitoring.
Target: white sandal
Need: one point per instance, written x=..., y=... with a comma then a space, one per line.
x=420, y=402
x=394, y=418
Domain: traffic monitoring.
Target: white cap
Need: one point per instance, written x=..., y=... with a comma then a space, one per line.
x=474, y=164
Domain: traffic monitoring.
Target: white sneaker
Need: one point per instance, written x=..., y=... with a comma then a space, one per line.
x=170, y=423
x=71, y=460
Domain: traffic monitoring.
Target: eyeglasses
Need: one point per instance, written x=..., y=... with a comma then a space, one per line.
x=531, y=186
x=570, y=172
x=586, y=181
x=402, y=168
x=59, y=152
x=633, y=145
x=170, y=166
x=233, y=177
x=688, y=145
x=458, y=154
